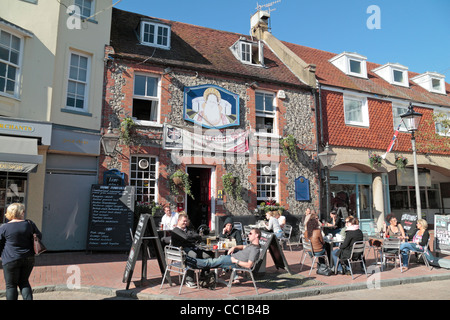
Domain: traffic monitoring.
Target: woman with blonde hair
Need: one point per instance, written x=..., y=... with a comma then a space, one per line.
x=273, y=224
x=16, y=247
x=419, y=242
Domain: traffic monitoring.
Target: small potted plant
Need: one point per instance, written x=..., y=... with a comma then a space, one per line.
x=289, y=147
x=179, y=180
x=401, y=162
x=232, y=186
x=375, y=160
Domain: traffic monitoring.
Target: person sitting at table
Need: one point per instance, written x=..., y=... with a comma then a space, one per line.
x=306, y=217
x=353, y=234
x=245, y=256
x=281, y=219
x=314, y=235
x=229, y=232
x=170, y=219
x=344, y=229
x=273, y=224
x=420, y=240
x=188, y=239
x=333, y=224
x=394, y=229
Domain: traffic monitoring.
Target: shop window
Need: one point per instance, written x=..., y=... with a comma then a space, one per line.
x=143, y=173
x=12, y=189
x=404, y=197
x=266, y=182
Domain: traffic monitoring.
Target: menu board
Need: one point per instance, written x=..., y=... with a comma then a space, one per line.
x=442, y=234
x=408, y=222
x=268, y=241
x=110, y=218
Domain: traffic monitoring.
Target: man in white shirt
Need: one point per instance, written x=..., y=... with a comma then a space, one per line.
x=169, y=219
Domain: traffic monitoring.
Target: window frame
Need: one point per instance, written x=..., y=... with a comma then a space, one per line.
x=156, y=98
x=18, y=66
x=91, y=9
x=398, y=105
x=157, y=27
x=273, y=185
x=85, y=108
x=135, y=179
x=267, y=114
x=437, y=124
x=364, y=110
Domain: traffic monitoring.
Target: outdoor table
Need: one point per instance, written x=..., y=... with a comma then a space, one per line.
x=329, y=245
x=217, y=252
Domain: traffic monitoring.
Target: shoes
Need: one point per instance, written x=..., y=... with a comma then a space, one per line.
x=191, y=284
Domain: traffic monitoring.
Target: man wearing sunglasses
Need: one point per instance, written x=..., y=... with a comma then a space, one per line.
x=241, y=255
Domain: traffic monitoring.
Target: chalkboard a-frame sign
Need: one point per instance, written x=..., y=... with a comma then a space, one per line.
x=269, y=241
x=145, y=232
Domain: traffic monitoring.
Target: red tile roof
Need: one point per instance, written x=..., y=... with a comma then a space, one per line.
x=196, y=48
x=328, y=74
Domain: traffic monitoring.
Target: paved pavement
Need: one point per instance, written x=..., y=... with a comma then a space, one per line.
x=78, y=275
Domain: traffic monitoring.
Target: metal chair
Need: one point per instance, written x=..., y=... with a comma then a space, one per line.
x=308, y=251
x=357, y=255
x=421, y=255
x=391, y=250
x=238, y=226
x=376, y=249
x=247, y=230
x=287, y=231
x=175, y=261
x=247, y=270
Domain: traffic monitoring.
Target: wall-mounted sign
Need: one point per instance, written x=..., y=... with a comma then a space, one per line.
x=302, y=189
x=211, y=106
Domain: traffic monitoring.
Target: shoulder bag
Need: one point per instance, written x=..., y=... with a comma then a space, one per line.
x=38, y=246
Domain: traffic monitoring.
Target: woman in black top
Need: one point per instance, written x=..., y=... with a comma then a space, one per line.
x=16, y=247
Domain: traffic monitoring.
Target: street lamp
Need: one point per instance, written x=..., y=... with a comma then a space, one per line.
x=411, y=120
x=109, y=141
x=327, y=158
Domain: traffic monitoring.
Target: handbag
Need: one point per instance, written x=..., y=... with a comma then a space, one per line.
x=38, y=246
x=324, y=270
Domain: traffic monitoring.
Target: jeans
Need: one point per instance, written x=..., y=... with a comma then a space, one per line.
x=334, y=255
x=224, y=262
x=405, y=247
x=16, y=275
x=195, y=253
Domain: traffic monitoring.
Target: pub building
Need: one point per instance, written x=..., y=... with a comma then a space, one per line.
x=208, y=103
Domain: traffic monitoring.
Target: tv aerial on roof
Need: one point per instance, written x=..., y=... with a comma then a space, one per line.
x=267, y=5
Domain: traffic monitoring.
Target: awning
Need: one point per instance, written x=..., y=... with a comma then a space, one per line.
x=18, y=154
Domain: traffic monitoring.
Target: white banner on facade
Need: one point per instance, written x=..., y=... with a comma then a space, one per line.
x=211, y=140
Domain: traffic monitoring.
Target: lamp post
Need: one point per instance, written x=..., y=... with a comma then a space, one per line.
x=327, y=158
x=411, y=120
x=109, y=141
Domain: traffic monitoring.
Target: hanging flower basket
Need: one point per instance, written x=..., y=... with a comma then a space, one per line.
x=127, y=130
x=401, y=162
x=179, y=181
x=375, y=160
x=232, y=186
x=289, y=147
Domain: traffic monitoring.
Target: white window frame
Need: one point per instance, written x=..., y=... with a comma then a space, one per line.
x=364, y=110
x=18, y=66
x=138, y=177
x=157, y=27
x=343, y=62
x=86, y=83
x=396, y=115
x=156, y=98
x=267, y=114
x=247, y=52
x=441, y=85
x=437, y=124
x=83, y=6
x=269, y=181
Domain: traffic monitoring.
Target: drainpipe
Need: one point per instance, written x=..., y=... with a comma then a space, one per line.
x=318, y=143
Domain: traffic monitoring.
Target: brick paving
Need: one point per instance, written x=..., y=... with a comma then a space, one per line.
x=104, y=271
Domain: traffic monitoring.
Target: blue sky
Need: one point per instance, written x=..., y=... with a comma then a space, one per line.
x=414, y=33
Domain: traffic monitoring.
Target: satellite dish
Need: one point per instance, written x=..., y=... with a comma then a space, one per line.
x=266, y=170
x=143, y=163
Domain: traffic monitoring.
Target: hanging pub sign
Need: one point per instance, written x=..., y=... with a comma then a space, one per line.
x=211, y=106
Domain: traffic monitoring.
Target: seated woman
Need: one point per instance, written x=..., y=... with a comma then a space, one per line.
x=394, y=229
x=314, y=235
x=420, y=240
x=352, y=235
x=273, y=224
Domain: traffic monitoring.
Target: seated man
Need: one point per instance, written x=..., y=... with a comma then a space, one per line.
x=229, y=232
x=245, y=257
x=187, y=239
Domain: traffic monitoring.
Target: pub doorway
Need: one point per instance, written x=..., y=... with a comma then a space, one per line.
x=199, y=208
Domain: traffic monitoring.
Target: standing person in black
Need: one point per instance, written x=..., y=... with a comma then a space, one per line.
x=352, y=235
x=16, y=247
x=188, y=239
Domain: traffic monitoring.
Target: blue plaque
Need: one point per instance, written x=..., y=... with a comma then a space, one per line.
x=302, y=189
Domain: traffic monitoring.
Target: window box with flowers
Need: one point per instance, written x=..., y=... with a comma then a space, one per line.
x=375, y=160
x=271, y=205
x=401, y=162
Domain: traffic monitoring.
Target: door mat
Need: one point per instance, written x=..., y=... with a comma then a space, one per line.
x=278, y=281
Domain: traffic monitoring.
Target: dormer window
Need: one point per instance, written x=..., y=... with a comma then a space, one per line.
x=352, y=64
x=154, y=34
x=393, y=73
x=431, y=81
x=248, y=52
